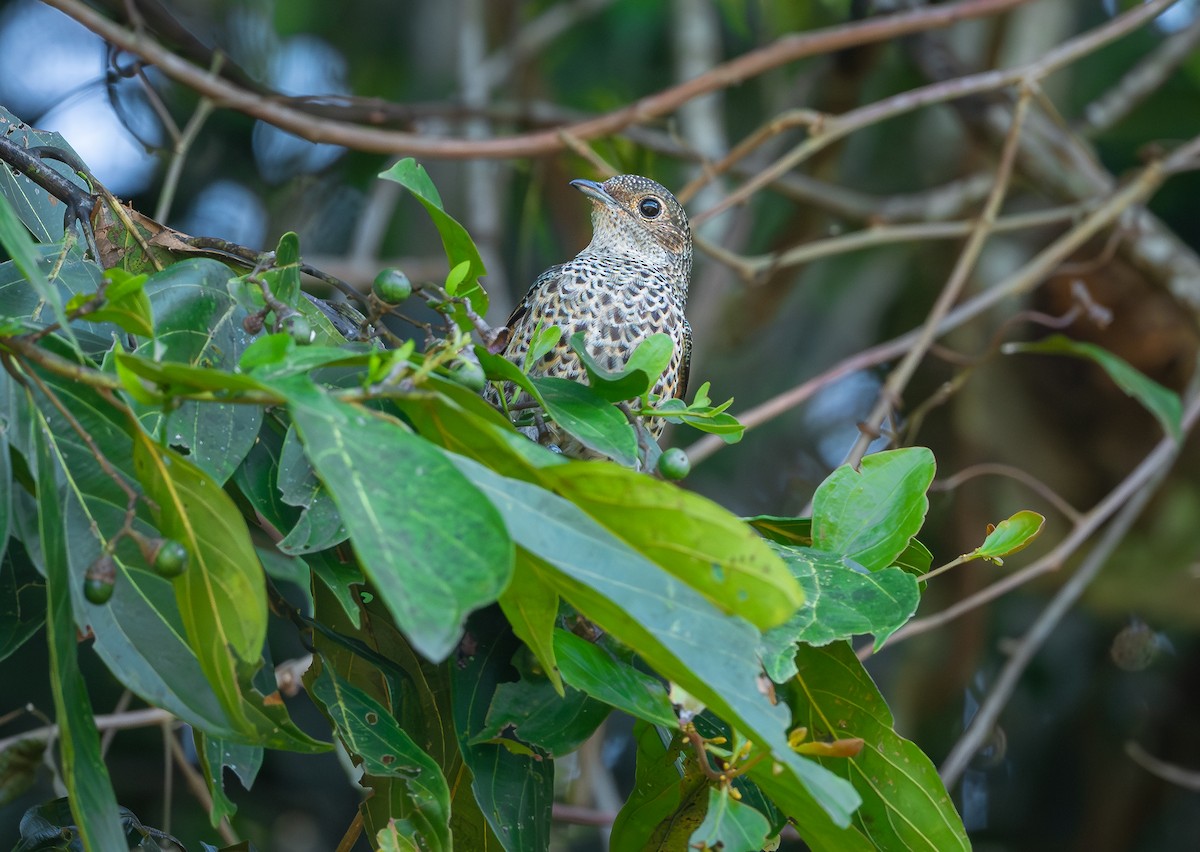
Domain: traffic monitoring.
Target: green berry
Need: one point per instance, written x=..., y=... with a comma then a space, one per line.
x=469, y=374
x=674, y=464
x=100, y=580
x=301, y=330
x=170, y=558
x=392, y=286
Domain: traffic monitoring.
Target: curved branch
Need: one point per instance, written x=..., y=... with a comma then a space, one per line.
x=787, y=49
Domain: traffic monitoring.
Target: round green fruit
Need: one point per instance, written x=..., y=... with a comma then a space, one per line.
x=392, y=286
x=674, y=464
x=100, y=580
x=170, y=559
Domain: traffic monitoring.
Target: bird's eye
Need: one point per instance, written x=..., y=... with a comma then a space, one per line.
x=650, y=207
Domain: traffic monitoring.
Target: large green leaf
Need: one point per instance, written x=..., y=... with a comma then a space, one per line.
x=139, y=632
x=532, y=711
x=222, y=596
x=431, y=544
x=674, y=628
x=905, y=805
x=1163, y=403
x=93, y=803
x=637, y=378
x=371, y=735
x=699, y=542
x=840, y=602
x=199, y=325
x=869, y=515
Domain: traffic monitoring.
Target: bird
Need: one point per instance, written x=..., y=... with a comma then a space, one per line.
x=630, y=282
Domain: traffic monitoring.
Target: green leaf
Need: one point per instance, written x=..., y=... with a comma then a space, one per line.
x=782, y=530
x=531, y=710
x=15, y=240
x=699, y=542
x=597, y=425
x=675, y=629
x=905, y=805
x=730, y=825
x=22, y=592
x=665, y=806
x=590, y=668
x=543, y=340
x=222, y=596
x=1010, y=536
x=514, y=791
x=320, y=525
x=125, y=304
x=458, y=245
x=215, y=754
x=385, y=750
x=1163, y=403
x=431, y=544
x=93, y=803
x=139, y=632
x=531, y=607
x=915, y=559
x=456, y=276
x=644, y=367
x=840, y=602
x=870, y=515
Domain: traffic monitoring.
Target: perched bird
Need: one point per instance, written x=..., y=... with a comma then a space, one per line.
x=629, y=283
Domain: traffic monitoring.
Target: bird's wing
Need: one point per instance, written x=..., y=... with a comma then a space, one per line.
x=685, y=363
x=531, y=295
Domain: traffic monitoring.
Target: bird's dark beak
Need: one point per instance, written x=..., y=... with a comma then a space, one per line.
x=594, y=190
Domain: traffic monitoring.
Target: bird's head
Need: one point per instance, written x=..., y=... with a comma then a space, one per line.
x=633, y=214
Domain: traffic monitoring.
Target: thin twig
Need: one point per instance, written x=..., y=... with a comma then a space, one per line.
x=897, y=381
x=1177, y=775
x=1150, y=466
x=989, y=710
x=1040, y=488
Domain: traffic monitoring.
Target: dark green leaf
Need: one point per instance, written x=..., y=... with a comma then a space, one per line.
x=41, y=212
x=586, y=416
x=665, y=806
x=22, y=595
x=514, y=791
x=840, y=602
x=432, y=545
x=1163, y=403
x=675, y=629
x=531, y=710
x=905, y=805
x=215, y=754
x=371, y=734
x=590, y=668
x=93, y=803
x=870, y=515
x=15, y=240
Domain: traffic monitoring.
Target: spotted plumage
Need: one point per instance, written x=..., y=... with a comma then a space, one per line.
x=630, y=282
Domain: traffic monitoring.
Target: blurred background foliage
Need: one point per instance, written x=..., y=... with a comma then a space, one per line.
x=1122, y=668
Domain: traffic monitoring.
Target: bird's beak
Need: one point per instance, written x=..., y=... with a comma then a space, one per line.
x=594, y=190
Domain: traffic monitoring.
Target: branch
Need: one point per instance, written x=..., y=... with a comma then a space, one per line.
x=1150, y=467
x=1141, y=187
x=897, y=381
x=1133, y=500
x=836, y=127
x=780, y=52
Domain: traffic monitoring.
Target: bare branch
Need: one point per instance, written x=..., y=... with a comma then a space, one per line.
x=780, y=52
